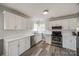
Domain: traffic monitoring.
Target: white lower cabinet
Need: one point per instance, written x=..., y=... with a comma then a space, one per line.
x=47, y=38
x=17, y=47
x=21, y=46
x=38, y=38
x=13, y=48
x=69, y=41
x=27, y=43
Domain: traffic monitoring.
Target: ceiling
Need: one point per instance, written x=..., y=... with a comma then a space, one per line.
x=35, y=10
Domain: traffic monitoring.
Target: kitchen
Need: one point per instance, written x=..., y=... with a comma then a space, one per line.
x=20, y=32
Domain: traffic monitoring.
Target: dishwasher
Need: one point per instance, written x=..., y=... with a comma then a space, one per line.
x=32, y=41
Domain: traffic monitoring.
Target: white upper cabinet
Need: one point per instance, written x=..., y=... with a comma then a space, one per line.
x=24, y=24
x=67, y=24
x=73, y=23
x=70, y=24
x=18, y=22
x=9, y=21
x=14, y=22
x=29, y=24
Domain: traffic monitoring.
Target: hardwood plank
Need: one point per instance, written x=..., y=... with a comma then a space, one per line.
x=48, y=50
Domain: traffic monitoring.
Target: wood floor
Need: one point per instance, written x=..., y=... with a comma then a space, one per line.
x=44, y=49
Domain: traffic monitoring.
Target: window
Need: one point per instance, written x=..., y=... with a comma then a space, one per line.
x=40, y=28
x=35, y=27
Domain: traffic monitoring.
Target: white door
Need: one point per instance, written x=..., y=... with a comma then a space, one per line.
x=13, y=48
x=21, y=46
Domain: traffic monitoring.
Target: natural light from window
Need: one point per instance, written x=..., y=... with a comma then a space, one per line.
x=40, y=28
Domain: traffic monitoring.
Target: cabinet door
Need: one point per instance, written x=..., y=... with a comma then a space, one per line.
x=21, y=46
x=29, y=24
x=9, y=21
x=69, y=41
x=65, y=24
x=18, y=22
x=13, y=48
x=73, y=23
x=24, y=24
x=27, y=43
x=38, y=37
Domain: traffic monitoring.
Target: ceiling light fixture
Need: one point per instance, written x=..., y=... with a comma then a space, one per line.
x=45, y=12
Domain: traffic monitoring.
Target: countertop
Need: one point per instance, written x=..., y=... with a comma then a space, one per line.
x=16, y=37
x=47, y=32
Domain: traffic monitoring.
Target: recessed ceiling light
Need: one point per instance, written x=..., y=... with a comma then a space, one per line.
x=45, y=12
